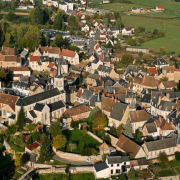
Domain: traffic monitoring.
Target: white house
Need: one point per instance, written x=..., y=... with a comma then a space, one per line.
x=127, y=31
x=71, y=56
x=92, y=34
x=85, y=28
x=160, y=63
x=83, y=2
x=63, y=6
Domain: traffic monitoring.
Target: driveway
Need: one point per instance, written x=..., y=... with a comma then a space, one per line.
x=56, y=157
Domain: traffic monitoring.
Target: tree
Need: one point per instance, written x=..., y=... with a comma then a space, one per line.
x=21, y=121
x=25, y=158
x=122, y=176
x=132, y=174
x=107, y=139
x=11, y=16
x=155, y=31
x=29, y=140
x=72, y=146
x=119, y=130
x=163, y=49
x=126, y=59
x=35, y=136
x=73, y=22
x=99, y=119
x=59, y=21
x=2, y=74
x=177, y=155
x=59, y=41
x=19, y=140
x=131, y=42
x=163, y=159
x=45, y=150
x=18, y=160
x=30, y=127
x=59, y=141
x=73, y=48
x=55, y=129
x=140, y=54
x=138, y=136
x=104, y=157
x=37, y=16
x=128, y=129
x=164, y=79
x=113, y=130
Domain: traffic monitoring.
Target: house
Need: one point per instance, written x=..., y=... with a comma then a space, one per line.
x=94, y=80
x=107, y=71
x=83, y=96
x=128, y=31
x=63, y=6
x=139, y=164
x=85, y=28
x=115, y=30
x=114, y=165
x=138, y=10
x=20, y=71
x=119, y=114
x=152, y=71
x=145, y=101
x=35, y=89
x=160, y=8
x=160, y=63
x=168, y=85
x=50, y=3
x=92, y=33
x=77, y=113
x=112, y=19
x=9, y=51
x=131, y=71
x=125, y=145
x=7, y=61
x=83, y=2
x=138, y=49
x=71, y=56
x=52, y=52
x=104, y=149
x=34, y=148
x=154, y=148
x=138, y=118
x=92, y=66
x=35, y=63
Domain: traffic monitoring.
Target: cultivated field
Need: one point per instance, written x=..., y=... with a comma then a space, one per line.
x=168, y=21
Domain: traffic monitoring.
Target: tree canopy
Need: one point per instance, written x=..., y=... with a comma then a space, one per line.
x=128, y=129
x=59, y=141
x=21, y=121
x=55, y=129
x=126, y=59
x=99, y=119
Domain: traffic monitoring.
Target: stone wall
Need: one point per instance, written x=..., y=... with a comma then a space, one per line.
x=114, y=140
x=170, y=177
x=95, y=137
x=77, y=157
x=81, y=169
x=52, y=170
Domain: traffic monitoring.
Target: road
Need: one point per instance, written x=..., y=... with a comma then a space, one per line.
x=70, y=162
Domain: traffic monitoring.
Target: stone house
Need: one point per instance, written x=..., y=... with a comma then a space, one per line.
x=7, y=61
x=125, y=145
x=71, y=56
x=167, y=85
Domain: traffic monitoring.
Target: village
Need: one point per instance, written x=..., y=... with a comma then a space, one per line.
x=82, y=98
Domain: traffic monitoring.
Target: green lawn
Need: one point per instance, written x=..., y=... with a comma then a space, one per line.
x=120, y=6
x=178, y=169
x=167, y=172
x=174, y=163
x=86, y=176
x=57, y=162
x=50, y=177
x=81, y=138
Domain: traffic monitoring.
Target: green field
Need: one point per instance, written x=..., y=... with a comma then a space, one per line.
x=87, y=176
x=81, y=138
x=167, y=21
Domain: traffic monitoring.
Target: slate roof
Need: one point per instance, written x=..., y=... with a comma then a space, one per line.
x=132, y=68
x=56, y=105
x=103, y=68
x=160, y=144
x=118, y=111
x=24, y=53
x=117, y=159
x=166, y=105
x=160, y=61
x=33, y=114
x=138, y=116
x=101, y=166
x=151, y=127
x=39, y=107
x=87, y=94
x=123, y=83
x=114, y=28
x=146, y=98
x=38, y=97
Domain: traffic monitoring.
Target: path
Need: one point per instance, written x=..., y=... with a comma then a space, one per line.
x=56, y=157
x=17, y=13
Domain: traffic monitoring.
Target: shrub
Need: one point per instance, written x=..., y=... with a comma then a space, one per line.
x=177, y=155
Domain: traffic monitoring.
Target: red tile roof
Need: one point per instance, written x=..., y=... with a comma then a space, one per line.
x=25, y=68
x=68, y=53
x=151, y=71
x=34, y=145
x=34, y=59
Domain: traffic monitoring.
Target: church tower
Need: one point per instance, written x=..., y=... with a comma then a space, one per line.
x=59, y=79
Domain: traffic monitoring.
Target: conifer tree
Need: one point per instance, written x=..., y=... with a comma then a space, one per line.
x=45, y=150
x=21, y=120
x=128, y=129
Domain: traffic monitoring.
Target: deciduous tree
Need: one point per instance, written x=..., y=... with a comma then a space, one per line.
x=99, y=119
x=59, y=141
x=55, y=129
x=126, y=59
x=128, y=129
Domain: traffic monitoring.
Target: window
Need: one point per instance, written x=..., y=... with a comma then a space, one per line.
x=155, y=153
x=117, y=165
x=169, y=150
x=151, y=154
x=4, y=112
x=111, y=165
x=173, y=149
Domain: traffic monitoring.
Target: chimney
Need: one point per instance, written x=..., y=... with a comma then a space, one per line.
x=123, y=111
x=137, y=113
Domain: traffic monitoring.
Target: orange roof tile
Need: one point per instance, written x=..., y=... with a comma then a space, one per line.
x=68, y=53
